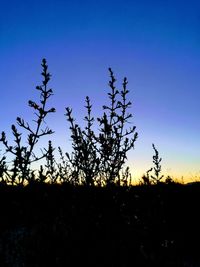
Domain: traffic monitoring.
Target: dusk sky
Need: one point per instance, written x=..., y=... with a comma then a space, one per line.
x=155, y=44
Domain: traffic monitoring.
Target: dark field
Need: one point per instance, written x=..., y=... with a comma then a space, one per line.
x=63, y=225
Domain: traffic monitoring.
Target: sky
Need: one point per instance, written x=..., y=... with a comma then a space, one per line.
x=155, y=44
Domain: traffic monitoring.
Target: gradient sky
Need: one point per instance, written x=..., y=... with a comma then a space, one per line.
x=156, y=44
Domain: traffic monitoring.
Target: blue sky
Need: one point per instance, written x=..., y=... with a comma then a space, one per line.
x=156, y=44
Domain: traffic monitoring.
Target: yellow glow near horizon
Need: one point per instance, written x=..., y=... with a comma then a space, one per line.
x=180, y=177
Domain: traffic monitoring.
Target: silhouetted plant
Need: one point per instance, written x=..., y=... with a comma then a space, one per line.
x=113, y=139
x=149, y=179
x=156, y=178
x=64, y=168
x=157, y=166
x=125, y=178
x=100, y=158
x=42, y=177
x=146, y=178
x=169, y=180
x=24, y=155
x=84, y=159
x=51, y=172
x=3, y=170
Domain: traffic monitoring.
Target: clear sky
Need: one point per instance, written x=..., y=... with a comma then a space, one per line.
x=156, y=44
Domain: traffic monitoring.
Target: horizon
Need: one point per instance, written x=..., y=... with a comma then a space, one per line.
x=155, y=45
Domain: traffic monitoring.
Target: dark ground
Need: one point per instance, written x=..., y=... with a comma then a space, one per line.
x=61, y=225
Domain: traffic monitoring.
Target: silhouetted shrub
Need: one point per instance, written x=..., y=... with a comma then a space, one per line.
x=99, y=158
x=84, y=159
x=149, y=179
x=156, y=178
x=3, y=170
x=24, y=156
